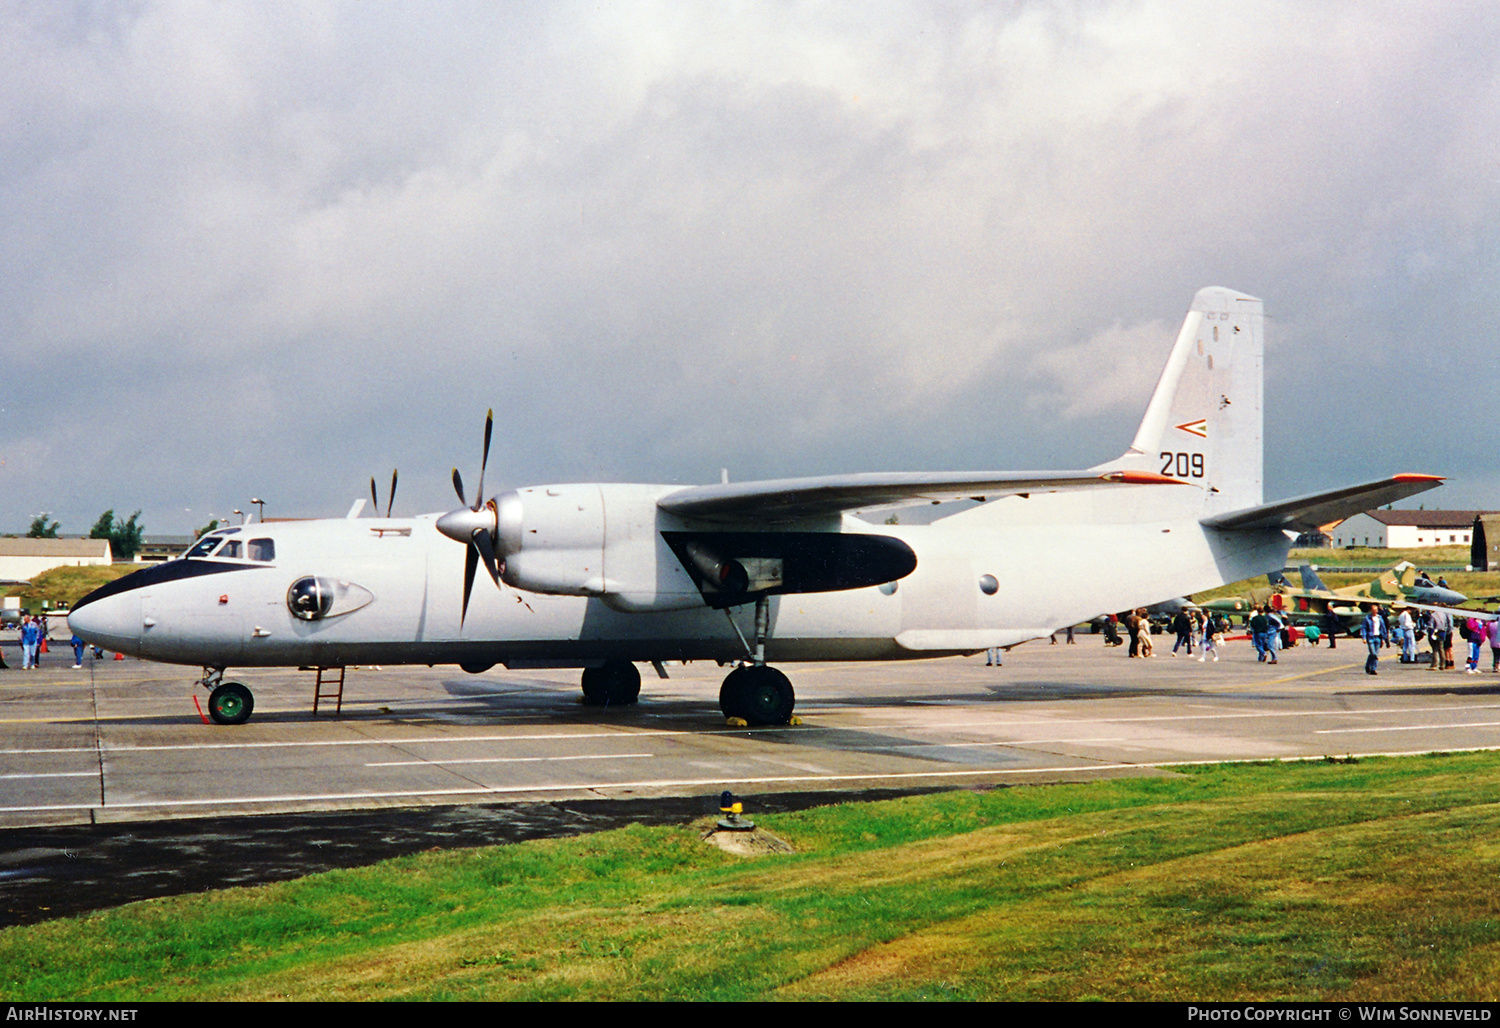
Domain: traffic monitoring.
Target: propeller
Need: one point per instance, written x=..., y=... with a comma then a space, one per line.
x=474, y=525
x=375, y=498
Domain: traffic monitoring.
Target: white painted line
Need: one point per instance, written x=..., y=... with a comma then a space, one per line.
x=1147, y=719
x=57, y=774
x=1410, y=728
x=438, y=762
x=713, y=783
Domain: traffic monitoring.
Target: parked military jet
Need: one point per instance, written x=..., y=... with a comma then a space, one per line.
x=603, y=575
x=1397, y=584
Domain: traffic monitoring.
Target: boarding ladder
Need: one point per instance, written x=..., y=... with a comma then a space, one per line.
x=329, y=686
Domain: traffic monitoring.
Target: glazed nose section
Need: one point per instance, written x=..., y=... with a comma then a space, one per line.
x=109, y=622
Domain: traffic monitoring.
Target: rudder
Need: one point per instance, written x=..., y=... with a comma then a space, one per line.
x=1205, y=422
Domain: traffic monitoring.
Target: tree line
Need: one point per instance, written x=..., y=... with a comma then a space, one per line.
x=124, y=535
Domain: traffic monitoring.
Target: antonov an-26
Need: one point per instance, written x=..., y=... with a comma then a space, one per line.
x=603, y=575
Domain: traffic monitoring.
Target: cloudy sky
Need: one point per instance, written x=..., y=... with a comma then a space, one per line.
x=276, y=248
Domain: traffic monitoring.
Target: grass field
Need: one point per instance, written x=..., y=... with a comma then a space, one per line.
x=65, y=585
x=1370, y=880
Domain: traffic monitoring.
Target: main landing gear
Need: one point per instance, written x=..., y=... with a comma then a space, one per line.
x=614, y=683
x=756, y=693
x=229, y=703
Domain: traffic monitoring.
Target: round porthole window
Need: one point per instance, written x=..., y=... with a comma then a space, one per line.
x=889, y=588
x=989, y=585
x=310, y=598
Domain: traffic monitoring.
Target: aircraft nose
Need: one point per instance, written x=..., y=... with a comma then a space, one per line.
x=109, y=622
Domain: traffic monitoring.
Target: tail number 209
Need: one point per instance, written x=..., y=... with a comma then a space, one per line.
x=1182, y=465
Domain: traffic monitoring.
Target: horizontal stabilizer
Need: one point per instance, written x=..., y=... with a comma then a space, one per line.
x=793, y=499
x=1309, y=513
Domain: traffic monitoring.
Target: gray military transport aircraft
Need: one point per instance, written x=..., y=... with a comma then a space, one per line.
x=603, y=575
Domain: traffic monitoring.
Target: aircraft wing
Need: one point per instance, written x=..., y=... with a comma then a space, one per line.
x=794, y=499
x=1307, y=513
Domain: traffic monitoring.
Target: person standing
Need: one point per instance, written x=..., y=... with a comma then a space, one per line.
x=1408, y=629
x=1474, y=636
x=1182, y=624
x=1332, y=624
x=1376, y=633
x=1133, y=628
x=1207, y=644
x=31, y=636
x=1441, y=638
x=1492, y=636
x=1260, y=635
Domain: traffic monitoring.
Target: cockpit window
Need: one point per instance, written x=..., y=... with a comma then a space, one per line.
x=262, y=549
x=203, y=547
x=231, y=549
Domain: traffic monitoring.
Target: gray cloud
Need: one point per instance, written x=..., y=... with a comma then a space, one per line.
x=277, y=249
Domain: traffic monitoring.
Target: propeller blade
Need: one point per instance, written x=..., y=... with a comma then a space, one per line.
x=489, y=428
x=458, y=486
x=471, y=560
x=374, y=500
x=486, y=550
x=390, y=502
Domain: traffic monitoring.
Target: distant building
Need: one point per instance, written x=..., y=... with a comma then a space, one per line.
x=156, y=549
x=24, y=559
x=1405, y=529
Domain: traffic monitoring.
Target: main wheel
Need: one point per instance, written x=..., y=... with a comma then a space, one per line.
x=230, y=704
x=614, y=683
x=757, y=694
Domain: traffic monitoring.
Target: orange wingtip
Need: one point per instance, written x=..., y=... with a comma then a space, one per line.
x=1412, y=476
x=1141, y=478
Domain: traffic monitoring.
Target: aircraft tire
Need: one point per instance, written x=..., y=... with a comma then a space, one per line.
x=230, y=704
x=757, y=694
x=615, y=683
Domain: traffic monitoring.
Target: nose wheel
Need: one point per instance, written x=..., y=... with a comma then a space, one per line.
x=230, y=704
x=757, y=694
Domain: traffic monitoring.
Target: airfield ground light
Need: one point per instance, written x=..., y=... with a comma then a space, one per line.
x=732, y=808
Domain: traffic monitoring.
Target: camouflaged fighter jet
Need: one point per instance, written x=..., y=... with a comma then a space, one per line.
x=1397, y=584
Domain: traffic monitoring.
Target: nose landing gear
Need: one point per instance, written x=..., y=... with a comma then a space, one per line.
x=229, y=703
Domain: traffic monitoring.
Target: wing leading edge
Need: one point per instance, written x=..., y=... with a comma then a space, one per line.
x=1308, y=513
x=796, y=499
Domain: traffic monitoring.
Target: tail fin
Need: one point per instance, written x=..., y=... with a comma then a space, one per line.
x=1204, y=424
x=1310, y=579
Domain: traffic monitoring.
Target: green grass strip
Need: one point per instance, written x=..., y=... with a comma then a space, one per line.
x=1315, y=881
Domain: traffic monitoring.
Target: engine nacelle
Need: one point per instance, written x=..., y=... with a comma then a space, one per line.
x=612, y=541
x=592, y=540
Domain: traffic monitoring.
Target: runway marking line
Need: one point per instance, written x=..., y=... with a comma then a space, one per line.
x=716, y=783
x=438, y=762
x=1408, y=728
x=626, y=734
